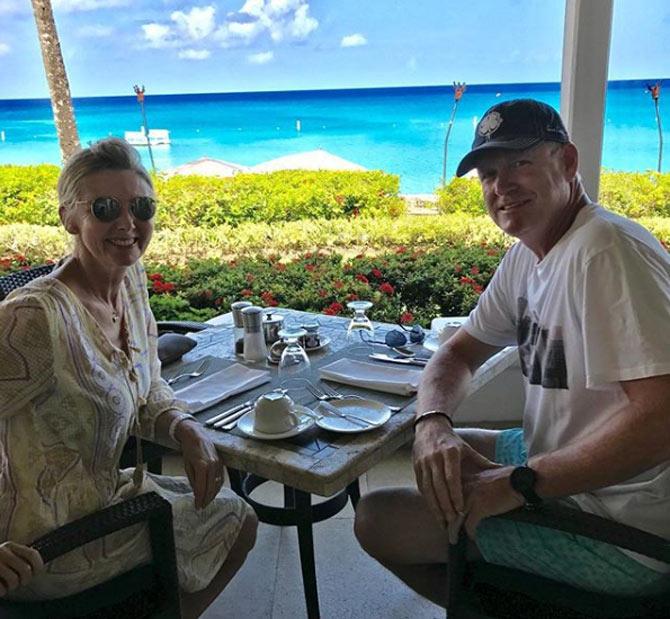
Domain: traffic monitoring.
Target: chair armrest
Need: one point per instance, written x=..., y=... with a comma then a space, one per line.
x=553, y=515
x=145, y=507
x=180, y=326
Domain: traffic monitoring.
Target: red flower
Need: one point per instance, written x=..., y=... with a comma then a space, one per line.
x=377, y=273
x=401, y=250
x=334, y=309
x=246, y=292
x=268, y=298
x=474, y=270
x=310, y=267
x=308, y=255
x=477, y=288
x=386, y=288
x=406, y=318
x=323, y=293
x=467, y=280
x=169, y=287
x=361, y=278
x=156, y=277
x=352, y=297
x=355, y=212
x=250, y=277
x=160, y=287
x=280, y=266
x=207, y=293
x=338, y=283
x=491, y=252
x=218, y=301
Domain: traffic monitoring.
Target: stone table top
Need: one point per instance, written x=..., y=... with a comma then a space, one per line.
x=316, y=461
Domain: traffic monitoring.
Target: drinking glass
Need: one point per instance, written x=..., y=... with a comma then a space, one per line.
x=360, y=329
x=294, y=360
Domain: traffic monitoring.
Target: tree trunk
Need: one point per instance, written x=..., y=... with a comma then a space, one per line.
x=59, y=89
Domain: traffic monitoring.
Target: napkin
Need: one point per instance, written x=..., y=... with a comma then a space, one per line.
x=375, y=376
x=221, y=385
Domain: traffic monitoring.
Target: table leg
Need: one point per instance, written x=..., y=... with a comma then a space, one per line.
x=354, y=492
x=303, y=505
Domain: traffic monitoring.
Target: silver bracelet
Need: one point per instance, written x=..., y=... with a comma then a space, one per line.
x=432, y=413
x=176, y=420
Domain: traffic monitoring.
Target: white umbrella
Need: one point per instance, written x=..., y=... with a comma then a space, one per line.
x=206, y=166
x=311, y=160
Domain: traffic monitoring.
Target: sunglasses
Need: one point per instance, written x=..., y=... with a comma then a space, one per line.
x=108, y=208
x=396, y=338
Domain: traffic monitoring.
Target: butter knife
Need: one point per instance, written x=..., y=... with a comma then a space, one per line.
x=377, y=356
x=334, y=412
x=228, y=412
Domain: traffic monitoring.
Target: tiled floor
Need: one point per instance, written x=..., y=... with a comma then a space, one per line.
x=351, y=584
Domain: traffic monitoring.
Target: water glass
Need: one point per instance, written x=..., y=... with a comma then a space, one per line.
x=294, y=360
x=360, y=329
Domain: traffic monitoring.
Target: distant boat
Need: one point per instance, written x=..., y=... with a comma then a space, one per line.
x=156, y=137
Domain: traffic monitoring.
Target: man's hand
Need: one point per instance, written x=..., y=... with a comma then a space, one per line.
x=488, y=493
x=441, y=460
x=18, y=565
x=203, y=466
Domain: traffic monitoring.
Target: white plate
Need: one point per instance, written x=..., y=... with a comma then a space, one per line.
x=324, y=342
x=377, y=413
x=246, y=425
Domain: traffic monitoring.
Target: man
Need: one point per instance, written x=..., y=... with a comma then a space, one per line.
x=586, y=296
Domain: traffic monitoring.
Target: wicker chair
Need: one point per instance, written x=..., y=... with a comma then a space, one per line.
x=479, y=590
x=150, y=590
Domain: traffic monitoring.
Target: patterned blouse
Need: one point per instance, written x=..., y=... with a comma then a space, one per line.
x=69, y=400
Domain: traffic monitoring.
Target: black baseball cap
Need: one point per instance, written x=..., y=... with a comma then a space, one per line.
x=514, y=125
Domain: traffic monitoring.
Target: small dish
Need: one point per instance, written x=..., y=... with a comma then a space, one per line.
x=431, y=342
x=324, y=342
x=376, y=413
x=246, y=425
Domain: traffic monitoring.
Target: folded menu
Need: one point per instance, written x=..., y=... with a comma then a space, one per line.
x=223, y=384
x=375, y=376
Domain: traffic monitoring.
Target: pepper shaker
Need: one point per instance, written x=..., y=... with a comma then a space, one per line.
x=238, y=333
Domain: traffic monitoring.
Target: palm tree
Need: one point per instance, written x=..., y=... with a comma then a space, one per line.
x=59, y=88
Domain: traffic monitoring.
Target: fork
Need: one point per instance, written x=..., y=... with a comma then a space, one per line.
x=330, y=394
x=199, y=371
x=324, y=397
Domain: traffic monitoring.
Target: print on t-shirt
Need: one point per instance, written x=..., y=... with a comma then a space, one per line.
x=541, y=351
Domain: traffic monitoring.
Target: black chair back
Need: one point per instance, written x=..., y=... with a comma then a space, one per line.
x=21, y=278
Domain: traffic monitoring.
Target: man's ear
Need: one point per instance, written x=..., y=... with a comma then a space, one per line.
x=570, y=160
x=68, y=219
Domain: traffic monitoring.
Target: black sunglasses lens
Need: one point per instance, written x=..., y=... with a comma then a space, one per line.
x=416, y=335
x=143, y=208
x=395, y=338
x=105, y=209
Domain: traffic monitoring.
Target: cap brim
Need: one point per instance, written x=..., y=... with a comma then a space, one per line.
x=470, y=160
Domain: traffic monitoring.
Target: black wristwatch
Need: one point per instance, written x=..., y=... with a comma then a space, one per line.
x=523, y=480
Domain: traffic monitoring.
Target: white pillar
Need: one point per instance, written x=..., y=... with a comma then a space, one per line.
x=586, y=48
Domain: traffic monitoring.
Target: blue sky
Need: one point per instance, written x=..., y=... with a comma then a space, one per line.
x=177, y=46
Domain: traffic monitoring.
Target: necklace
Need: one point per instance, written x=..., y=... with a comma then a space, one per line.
x=115, y=316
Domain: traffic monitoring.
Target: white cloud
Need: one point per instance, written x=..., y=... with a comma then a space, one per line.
x=9, y=7
x=302, y=23
x=4, y=49
x=70, y=6
x=353, y=40
x=197, y=24
x=95, y=31
x=157, y=35
x=194, y=54
x=260, y=58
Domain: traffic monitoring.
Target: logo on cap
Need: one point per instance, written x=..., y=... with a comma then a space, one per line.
x=489, y=124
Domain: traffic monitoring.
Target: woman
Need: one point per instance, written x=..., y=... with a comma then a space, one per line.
x=80, y=373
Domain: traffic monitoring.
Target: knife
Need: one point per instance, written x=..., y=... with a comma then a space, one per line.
x=377, y=356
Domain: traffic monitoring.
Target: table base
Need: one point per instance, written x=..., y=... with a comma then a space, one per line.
x=299, y=512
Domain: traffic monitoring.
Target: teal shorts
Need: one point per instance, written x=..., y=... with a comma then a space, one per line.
x=576, y=560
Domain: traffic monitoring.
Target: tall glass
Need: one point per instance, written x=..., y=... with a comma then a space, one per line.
x=294, y=360
x=360, y=329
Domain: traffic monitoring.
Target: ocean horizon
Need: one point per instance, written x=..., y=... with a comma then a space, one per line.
x=399, y=130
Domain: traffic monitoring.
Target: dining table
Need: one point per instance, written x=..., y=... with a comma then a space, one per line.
x=319, y=469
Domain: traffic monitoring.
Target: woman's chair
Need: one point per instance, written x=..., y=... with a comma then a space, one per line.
x=480, y=590
x=150, y=590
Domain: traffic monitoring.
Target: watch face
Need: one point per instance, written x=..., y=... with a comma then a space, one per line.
x=523, y=479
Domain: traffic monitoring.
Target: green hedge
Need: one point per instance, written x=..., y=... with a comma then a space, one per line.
x=28, y=195
x=633, y=194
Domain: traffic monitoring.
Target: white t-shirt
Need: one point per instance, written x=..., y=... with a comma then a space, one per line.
x=594, y=311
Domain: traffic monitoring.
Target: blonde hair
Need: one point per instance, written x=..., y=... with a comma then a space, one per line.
x=107, y=154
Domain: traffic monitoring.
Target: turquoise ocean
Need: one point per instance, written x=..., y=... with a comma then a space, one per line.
x=399, y=130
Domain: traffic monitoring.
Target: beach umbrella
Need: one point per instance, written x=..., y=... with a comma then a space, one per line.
x=139, y=91
x=459, y=89
x=655, y=91
x=205, y=166
x=318, y=159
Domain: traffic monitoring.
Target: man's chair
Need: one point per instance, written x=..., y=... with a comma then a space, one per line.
x=480, y=590
x=150, y=590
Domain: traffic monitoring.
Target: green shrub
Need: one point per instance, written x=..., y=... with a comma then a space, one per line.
x=28, y=195
x=461, y=195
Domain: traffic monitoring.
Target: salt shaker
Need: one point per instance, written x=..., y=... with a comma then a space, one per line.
x=238, y=333
x=254, y=340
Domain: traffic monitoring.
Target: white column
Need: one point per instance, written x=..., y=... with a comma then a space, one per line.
x=586, y=48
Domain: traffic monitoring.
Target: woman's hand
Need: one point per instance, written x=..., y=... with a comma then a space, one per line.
x=203, y=466
x=18, y=565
